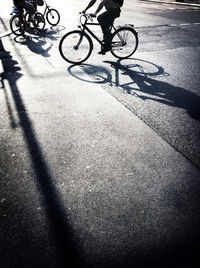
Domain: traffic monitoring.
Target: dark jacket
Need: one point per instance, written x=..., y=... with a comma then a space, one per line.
x=15, y=2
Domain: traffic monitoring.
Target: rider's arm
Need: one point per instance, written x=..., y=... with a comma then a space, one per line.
x=91, y=3
x=99, y=8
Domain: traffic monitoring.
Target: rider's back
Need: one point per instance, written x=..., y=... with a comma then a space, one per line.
x=18, y=2
x=110, y=4
x=119, y=2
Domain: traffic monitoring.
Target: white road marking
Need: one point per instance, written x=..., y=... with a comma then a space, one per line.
x=185, y=24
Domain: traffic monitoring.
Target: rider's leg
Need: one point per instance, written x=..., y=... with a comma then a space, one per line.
x=106, y=20
x=20, y=12
x=29, y=8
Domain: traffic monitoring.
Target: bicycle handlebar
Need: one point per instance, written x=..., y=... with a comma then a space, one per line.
x=86, y=16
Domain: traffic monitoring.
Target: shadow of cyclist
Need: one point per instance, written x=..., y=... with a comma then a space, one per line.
x=35, y=44
x=143, y=84
x=41, y=44
x=65, y=250
x=158, y=91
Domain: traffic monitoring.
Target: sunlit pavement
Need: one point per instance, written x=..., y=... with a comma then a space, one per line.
x=84, y=181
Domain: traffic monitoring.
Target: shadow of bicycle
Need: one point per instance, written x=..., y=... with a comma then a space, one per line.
x=143, y=82
x=40, y=42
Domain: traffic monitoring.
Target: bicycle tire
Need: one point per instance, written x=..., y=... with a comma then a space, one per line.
x=75, y=47
x=16, y=26
x=124, y=42
x=39, y=21
x=53, y=17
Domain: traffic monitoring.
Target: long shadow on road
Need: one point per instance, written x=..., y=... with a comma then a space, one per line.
x=61, y=231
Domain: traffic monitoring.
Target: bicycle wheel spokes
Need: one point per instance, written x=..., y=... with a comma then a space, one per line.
x=39, y=21
x=53, y=17
x=75, y=47
x=124, y=42
x=17, y=25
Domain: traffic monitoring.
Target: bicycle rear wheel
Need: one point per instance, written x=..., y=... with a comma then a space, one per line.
x=17, y=25
x=53, y=17
x=39, y=21
x=124, y=42
x=75, y=47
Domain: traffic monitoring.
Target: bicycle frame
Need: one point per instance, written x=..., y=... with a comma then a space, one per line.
x=47, y=7
x=123, y=41
x=83, y=27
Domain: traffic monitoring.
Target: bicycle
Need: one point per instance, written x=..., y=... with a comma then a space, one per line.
x=52, y=15
x=19, y=22
x=76, y=46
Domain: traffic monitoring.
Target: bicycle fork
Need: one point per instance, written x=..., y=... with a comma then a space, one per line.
x=76, y=47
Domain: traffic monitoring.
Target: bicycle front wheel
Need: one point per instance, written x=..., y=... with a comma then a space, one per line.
x=53, y=17
x=75, y=47
x=17, y=25
x=124, y=42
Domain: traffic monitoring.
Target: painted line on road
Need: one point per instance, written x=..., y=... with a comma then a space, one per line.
x=185, y=4
x=185, y=24
x=168, y=25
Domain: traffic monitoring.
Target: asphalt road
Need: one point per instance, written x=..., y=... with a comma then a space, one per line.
x=99, y=163
x=160, y=84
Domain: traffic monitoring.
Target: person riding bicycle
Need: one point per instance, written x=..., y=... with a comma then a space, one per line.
x=23, y=4
x=105, y=19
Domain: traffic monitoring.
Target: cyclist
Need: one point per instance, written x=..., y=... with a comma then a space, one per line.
x=105, y=19
x=23, y=4
x=36, y=3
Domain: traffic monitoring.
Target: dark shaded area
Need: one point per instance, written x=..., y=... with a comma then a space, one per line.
x=62, y=233
x=180, y=254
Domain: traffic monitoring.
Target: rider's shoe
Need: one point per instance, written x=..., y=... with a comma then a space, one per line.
x=104, y=49
x=102, y=52
x=106, y=45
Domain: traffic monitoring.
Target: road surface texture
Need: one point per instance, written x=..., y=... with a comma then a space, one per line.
x=100, y=163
